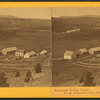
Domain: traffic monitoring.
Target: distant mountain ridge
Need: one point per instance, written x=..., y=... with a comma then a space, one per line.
x=8, y=21
x=7, y=16
x=79, y=16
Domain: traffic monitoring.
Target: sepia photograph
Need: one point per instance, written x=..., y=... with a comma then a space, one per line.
x=25, y=47
x=76, y=46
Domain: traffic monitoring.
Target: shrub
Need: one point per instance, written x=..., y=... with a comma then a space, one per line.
x=81, y=79
x=38, y=68
x=28, y=76
x=3, y=80
x=89, y=80
x=17, y=74
x=27, y=79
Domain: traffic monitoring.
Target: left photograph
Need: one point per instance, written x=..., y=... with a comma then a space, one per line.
x=25, y=47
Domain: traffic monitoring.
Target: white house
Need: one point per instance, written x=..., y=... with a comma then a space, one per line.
x=29, y=54
x=19, y=53
x=69, y=55
x=94, y=50
x=10, y=50
x=43, y=52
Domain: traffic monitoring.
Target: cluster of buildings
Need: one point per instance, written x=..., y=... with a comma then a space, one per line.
x=81, y=52
x=21, y=53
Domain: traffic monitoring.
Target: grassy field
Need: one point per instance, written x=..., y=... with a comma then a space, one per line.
x=29, y=40
x=42, y=79
x=69, y=74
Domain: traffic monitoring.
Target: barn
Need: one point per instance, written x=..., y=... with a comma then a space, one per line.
x=43, y=52
x=19, y=53
x=10, y=50
x=81, y=52
x=29, y=54
x=94, y=50
x=69, y=55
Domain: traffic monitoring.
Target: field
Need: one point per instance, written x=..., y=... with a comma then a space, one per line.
x=69, y=73
x=29, y=40
x=10, y=68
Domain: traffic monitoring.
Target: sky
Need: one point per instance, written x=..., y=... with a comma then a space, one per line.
x=25, y=12
x=74, y=11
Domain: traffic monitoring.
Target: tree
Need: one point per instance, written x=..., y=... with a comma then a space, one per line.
x=3, y=80
x=38, y=68
x=27, y=79
x=81, y=79
x=89, y=80
x=28, y=76
x=17, y=74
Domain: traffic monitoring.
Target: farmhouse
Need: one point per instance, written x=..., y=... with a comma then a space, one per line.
x=82, y=52
x=43, y=52
x=74, y=30
x=20, y=53
x=10, y=50
x=94, y=50
x=29, y=54
x=69, y=55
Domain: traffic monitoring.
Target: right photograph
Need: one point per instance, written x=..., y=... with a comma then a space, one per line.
x=75, y=46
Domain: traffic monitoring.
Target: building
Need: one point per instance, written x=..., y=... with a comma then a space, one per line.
x=82, y=52
x=19, y=53
x=94, y=50
x=74, y=30
x=43, y=52
x=69, y=55
x=29, y=54
x=10, y=50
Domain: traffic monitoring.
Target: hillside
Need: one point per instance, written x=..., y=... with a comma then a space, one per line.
x=27, y=34
x=24, y=23
x=89, y=27
x=10, y=25
x=67, y=23
x=87, y=37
